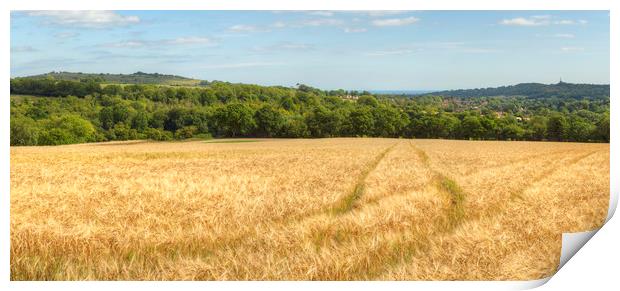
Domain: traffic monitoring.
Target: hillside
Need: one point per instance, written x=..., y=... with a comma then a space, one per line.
x=46, y=111
x=135, y=78
x=533, y=90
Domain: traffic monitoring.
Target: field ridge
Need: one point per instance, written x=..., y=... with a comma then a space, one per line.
x=348, y=202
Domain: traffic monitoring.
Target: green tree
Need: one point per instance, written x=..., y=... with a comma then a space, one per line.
x=323, y=122
x=471, y=127
x=269, y=121
x=361, y=122
x=186, y=132
x=158, y=134
x=579, y=129
x=106, y=117
x=557, y=127
x=602, y=128
x=140, y=121
x=538, y=125
x=512, y=131
x=234, y=119
x=389, y=121
x=121, y=113
x=295, y=126
x=368, y=101
x=67, y=129
x=123, y=131
x=24, y=131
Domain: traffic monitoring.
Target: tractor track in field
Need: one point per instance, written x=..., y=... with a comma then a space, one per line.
x=517, y=161
x=346, y=204
x=372, y=264
x=404, y=251
x=456, y=215
x=448, y=187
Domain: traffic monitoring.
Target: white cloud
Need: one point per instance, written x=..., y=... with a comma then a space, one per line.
x=478, y=50
x=285, y=46
x=541, y=17
x=295, y=46
x=354, y=30
x=540, y=20
x=457, y=47
x=570, y=22
x=395, y=21
x=190, y=40
x=247, y=28
x=127, y=44
x=382, y=13
x=187, y=40
x=390, y=52
x=23, y=49
x=572, y=49
x=521, y=21
x=322, y=13
x=241, y=65
x=278, y=24
x=85, y=18
x=281, y=24
x=321, y=22
x=564, y=35
x=66, y=34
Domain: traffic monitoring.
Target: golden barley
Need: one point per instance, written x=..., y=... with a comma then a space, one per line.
x=324, y=209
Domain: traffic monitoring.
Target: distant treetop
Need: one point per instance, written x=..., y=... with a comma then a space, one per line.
x=533, y=90
x=135, y=78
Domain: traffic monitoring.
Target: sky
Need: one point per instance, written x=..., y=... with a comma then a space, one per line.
x=352, y=50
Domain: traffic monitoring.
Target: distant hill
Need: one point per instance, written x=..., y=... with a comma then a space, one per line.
x=135, y=78
x=533, y=90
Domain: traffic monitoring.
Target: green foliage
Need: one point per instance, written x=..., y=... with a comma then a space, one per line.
x=538, y=127
x=157, y=134
x=389, y=122
x=185, y=132
x=471, y=127
x=103, y=112
x=135, y=78
x=269, y=121
x=368, y=100
x=557, y=127
x=323, y=122
x=235, y=119
x=579, y=129
x=361, y=122
x=122, y=131
x=295, y=126
x=533, y=90
x=602, y=128
x=24, y=131
x=66, y=129
x=140, y=121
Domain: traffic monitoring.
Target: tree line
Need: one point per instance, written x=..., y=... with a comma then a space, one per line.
x=51, y=112
x=534, y=90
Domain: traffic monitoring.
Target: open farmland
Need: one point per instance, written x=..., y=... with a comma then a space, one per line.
x=319, y=209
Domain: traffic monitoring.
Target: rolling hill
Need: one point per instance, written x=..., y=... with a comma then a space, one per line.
x=533, y=90
x=135, y=78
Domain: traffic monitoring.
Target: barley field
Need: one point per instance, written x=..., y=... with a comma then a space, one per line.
x=320, y=209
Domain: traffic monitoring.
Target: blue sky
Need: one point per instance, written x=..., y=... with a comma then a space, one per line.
x=372, y=50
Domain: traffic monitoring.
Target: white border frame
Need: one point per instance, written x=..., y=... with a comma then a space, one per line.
x=288, y=5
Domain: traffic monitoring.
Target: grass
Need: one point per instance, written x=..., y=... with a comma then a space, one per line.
x=349, y=200
x=457, y=200
x=316, y=209
x=233, y=141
